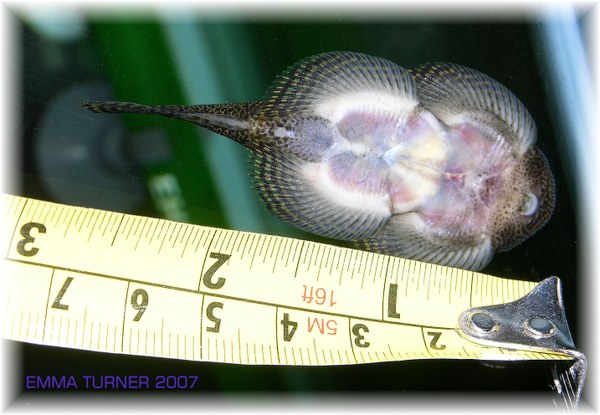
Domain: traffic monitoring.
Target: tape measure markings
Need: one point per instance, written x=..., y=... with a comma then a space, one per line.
x=57, y=299
x=63, y=289
x=124, y=336
x=274, y=265
x=7, y=210
x=223, y=296
x=300, y=295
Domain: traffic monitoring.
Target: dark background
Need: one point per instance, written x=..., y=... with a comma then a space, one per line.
x=131, y=58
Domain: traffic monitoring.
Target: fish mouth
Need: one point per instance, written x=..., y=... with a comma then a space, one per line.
x=489, y=191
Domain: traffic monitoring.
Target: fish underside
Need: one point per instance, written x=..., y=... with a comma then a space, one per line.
x=436, y=163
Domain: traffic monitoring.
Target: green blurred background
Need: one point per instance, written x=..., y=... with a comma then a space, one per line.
x=158, y=167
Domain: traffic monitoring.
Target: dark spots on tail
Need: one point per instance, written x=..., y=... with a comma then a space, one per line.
x=108, y=106
x=120, y=107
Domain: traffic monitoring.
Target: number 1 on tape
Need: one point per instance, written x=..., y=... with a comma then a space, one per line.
x=111, y=282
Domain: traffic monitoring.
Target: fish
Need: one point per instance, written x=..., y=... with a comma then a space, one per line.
x=435, y=163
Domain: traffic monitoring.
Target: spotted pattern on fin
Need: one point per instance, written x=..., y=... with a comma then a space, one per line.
x=301, y=88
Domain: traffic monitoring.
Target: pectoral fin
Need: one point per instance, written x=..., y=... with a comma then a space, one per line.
x=457, y=94
x=406, y=236
x=284, y=185
x=324, y=83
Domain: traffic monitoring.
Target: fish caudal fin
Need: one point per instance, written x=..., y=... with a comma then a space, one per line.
x=129, y=107
x=230, y=120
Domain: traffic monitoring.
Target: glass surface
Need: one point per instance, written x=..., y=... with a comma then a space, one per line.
x=124, y=162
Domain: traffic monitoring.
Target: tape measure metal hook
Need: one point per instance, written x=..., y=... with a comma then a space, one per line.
x=535, y=320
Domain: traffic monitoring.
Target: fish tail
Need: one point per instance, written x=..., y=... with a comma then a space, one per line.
x=230, y=120
x=219, y=115
x=130, y=107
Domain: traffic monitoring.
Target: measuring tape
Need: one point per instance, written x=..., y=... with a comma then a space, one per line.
x=111, y=282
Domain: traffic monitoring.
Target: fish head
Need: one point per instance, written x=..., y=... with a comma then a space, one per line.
x=529, y=202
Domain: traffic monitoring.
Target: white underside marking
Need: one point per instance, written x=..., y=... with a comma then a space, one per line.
x=225, y=121
x=280, y=132
x=375, y=204
x=335, y=108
